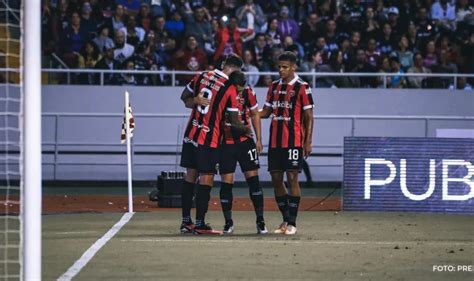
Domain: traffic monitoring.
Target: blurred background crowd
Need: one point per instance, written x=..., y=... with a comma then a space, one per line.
x=371, y=36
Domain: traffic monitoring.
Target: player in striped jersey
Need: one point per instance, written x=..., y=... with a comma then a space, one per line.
x=242, y=149
x=290, y=104
x=209, y=95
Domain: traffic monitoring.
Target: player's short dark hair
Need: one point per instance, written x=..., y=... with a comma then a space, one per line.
x=233, y=60
x=237, y=78
x=287, y=56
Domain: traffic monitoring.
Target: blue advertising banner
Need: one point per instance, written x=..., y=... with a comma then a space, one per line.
x=408, y=174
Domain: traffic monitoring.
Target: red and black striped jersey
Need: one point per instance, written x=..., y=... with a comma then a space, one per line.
x=205, y=126
x=288, y=102
x=246, y=101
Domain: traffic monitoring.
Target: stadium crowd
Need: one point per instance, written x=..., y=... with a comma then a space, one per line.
x=406, y=36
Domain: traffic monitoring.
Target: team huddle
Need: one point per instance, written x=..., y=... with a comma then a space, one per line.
x=219, y=135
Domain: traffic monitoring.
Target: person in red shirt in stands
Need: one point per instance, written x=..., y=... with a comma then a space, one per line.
x=190, y=58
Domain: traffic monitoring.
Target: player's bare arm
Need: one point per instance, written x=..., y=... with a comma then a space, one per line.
x=237, y=124
x=190, y=101
x=266, y=112
x=257, y=128
x=308, y=127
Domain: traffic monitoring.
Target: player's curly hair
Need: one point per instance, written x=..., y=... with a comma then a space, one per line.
x=237, y=78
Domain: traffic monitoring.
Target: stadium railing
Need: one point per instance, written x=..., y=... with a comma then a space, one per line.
x=66, y=76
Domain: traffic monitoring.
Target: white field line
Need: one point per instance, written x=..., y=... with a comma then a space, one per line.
x=69, y=232
x=89, y=254
x=304, y=242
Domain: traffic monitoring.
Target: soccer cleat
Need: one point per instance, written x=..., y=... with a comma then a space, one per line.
x=186, y=228
x=261, y=228
x=290, y=230
x=228, y=228
x=206, y=230
x=282, y=228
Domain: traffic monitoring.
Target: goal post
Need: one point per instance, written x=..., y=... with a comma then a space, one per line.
x=31, y=182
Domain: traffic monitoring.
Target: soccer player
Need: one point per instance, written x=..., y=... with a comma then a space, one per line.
x=244, y=150
x=290, y=103
x=209, y=95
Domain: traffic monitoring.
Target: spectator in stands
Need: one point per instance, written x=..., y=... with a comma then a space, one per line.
x=381, y=12
x=417, y=82
x=313, y=64
x=303, y=10
x=191, y=58
x=117, y=20
x=159, y=8
x=464, y=16
x=461, y=85
x=443, y=12
x=103, y=38
x=326, y=10
x=331, y=35
x=217, y=9
x=412, y=36
x=370, y=27
x=122, y=50
x=88, y=21
x=430, y=55
x=73, y=39
x=444, y=66
x=259, y=50
x=384, y=68
x=424, y=26
x=133, y=33
x=252, y=80
x=228, y=40
x=356, y=11
x=130, y=7
x=108, y=62
x=335, y=64
x=127, y=78
x=398, y=81
x=165, y=45
x=363, y=67
x=344, y=24
x=88, y=58
x=286, y=25
x=385, y=42
x=143, y=61
x=144, y=18
x=396, y=27
x=372, y=55
x=199, y=26
x=355, y=42
x=175, y=27
x=59, y=22
x=309, y=31
x=250, y=15
x=89, y=55
x=272, y=35
x=404, y=55
x=271, y=64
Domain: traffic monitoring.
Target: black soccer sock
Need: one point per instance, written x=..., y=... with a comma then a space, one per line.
x=203, y=194
x=282, y=202
x=226, y=198
x=256, y=194
x=187, y=194
x=293, y=203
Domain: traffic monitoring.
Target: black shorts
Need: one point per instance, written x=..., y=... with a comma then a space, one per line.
x=245, y=153
x=201, y=158
x=285, y=159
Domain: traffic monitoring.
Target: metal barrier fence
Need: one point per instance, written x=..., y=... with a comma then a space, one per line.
x=171, y=77
x=55, y=146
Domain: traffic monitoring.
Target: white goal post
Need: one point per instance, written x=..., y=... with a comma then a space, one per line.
x=31, y=182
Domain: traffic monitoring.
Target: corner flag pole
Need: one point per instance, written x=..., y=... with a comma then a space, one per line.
x=129, y=153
